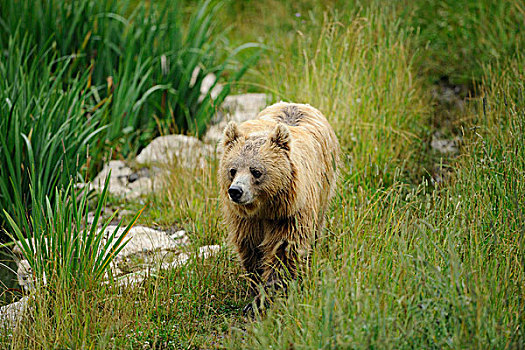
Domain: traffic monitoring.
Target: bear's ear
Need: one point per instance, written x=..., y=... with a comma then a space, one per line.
x=231, y=134
x=280, y=136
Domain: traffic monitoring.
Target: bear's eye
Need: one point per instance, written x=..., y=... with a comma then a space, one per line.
x=233, y=172
x=256, y=173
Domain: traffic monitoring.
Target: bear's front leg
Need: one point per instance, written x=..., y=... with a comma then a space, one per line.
x=279, y=265
x=246, y=236
x=251, y=258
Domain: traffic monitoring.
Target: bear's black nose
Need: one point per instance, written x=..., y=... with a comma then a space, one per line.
x=235, y=193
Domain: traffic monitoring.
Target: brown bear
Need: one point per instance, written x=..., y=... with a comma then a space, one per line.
x=277, y=175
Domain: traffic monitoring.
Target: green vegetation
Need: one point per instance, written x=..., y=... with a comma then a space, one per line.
x=460, y=37
x=133, y=52
x=404, y=262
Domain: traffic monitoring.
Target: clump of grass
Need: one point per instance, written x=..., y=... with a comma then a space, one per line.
x=62, y=246
x=198, y=209
x=193, y=306
x=185, y=61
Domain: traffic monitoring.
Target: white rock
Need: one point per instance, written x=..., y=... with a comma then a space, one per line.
x=238, y=108
x=148, y=245
x=119, y=173
x=143, y=239
x=130, y=279
x=182, y=259
x=25, y=277
x=178, y=234
x=204, y=253
x=245, y=106
x=119, y=183
x=188, y=151
x=208, y=250
x=180, y=237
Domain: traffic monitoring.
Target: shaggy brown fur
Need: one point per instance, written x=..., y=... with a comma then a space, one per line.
x=277, y=175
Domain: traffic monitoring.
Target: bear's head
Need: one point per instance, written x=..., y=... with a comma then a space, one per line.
x=255, y=168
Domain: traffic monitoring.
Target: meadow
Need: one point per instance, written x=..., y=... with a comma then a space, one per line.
x=421, y=249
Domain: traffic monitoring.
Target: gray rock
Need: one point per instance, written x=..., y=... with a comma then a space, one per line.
x=119, y=173
x=181, y=237
x=129, y=279
x=146, y=246
x=181, y=259
x=204, y=253
x=245, y=106
x=11, y=314
x=450, y=95
x=143, y=238
x=25, y=276
x=124, y=212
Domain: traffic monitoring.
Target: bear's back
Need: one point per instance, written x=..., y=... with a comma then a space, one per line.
x=304, y=121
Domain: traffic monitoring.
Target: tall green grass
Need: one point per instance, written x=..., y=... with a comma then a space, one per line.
x=188, y=307
x=357, y=69
x=186, y=59
x=45, y=128
x=101, y=75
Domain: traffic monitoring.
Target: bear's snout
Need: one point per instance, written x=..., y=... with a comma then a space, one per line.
x=235, y=193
